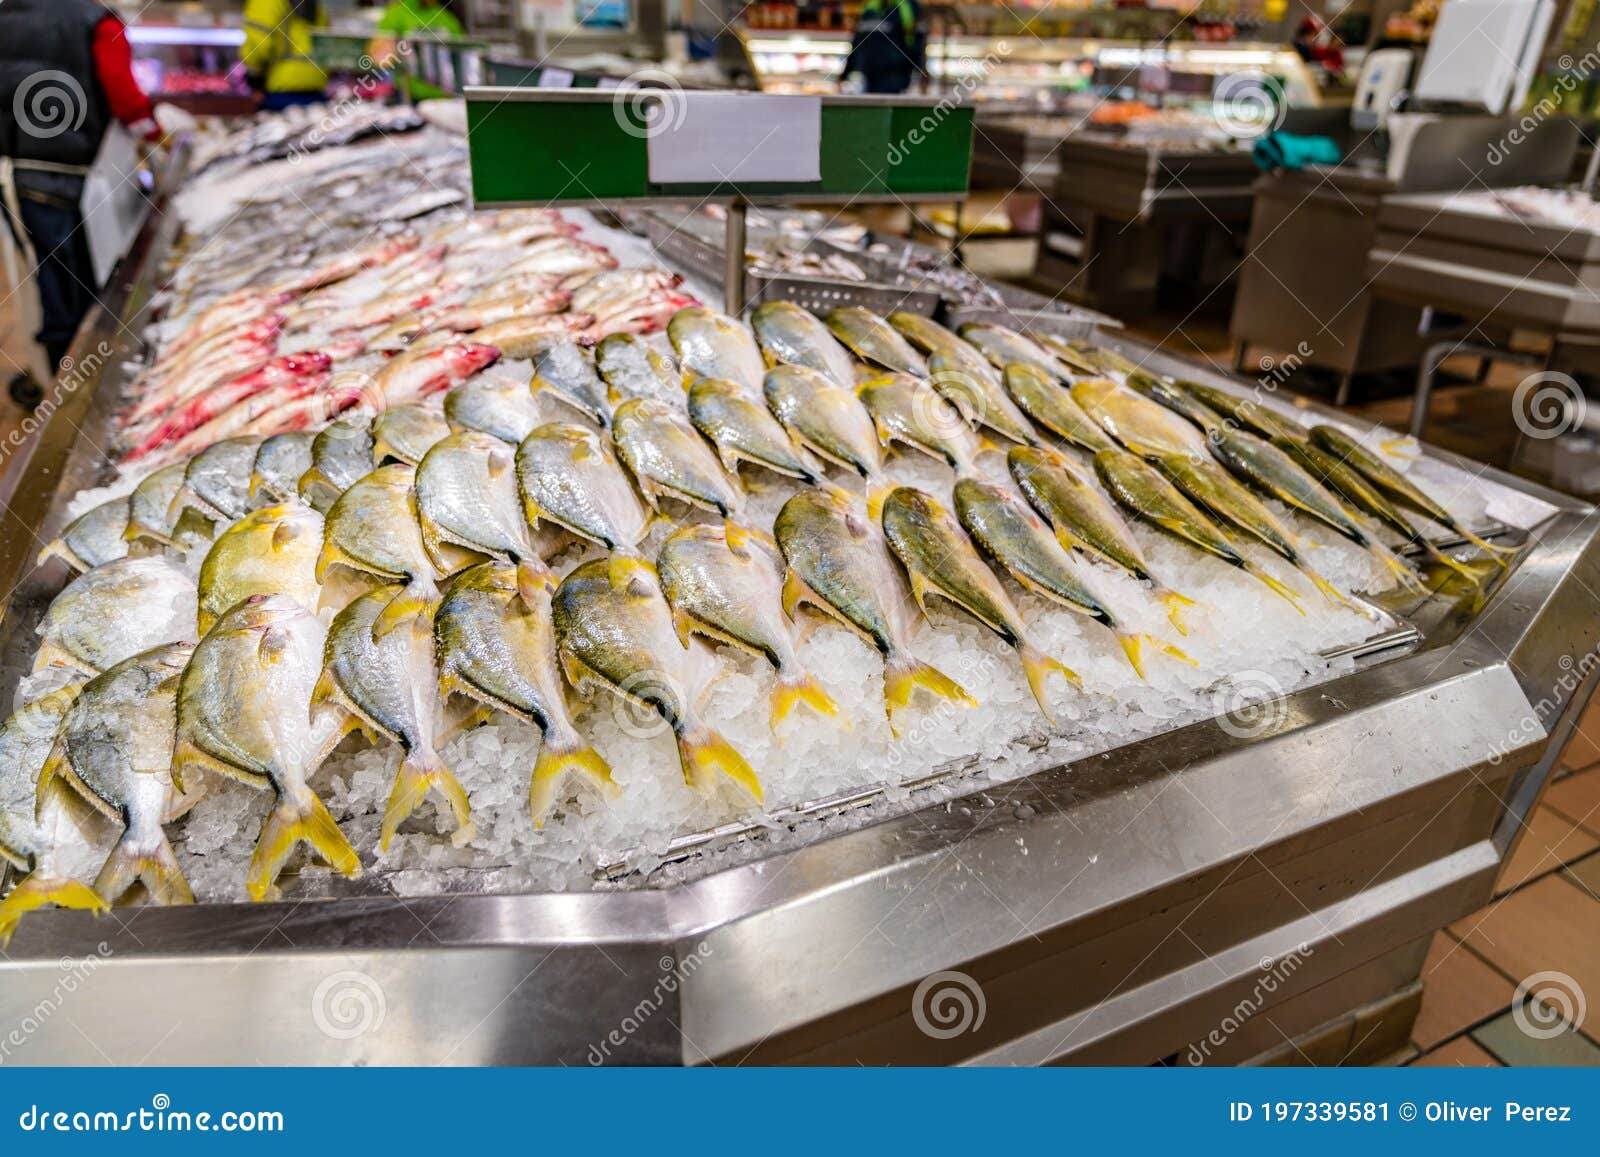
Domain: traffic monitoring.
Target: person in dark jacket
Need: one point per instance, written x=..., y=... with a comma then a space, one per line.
x=887, y=49
x=65, y=73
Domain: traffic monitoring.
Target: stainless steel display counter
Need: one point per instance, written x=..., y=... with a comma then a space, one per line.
x=1124, y=215
x=1116, y=909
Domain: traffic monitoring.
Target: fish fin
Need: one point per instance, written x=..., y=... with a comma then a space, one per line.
x=684, y=625
x=1037, y=666
x=38, y=891
x=877, y=495
x=418, y=773
x=57, y=548
x=1130, y=647
x=795, y=592
x=729, y=458
x=702, y=752
x=1446, y=561
x=274, y=645
x=919, y=590
x=579, y=677
x=331, y=554
x=1498, y=553
x=799, y=687
x=904, y=673
x=55, y=763
x=1281, y=589
x=1328, y=590
x=1396, y=566
x=622, y=568
x=535, y=582
x=156, y=867
x=737, y=537
x=555, y=762
x=417, y=600
x=885, y=435
x=1174, y=602
x=290, y=823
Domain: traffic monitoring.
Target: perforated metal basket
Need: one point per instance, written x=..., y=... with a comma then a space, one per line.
x=696, y=254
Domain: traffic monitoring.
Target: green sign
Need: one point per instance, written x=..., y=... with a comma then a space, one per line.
x=580, y=146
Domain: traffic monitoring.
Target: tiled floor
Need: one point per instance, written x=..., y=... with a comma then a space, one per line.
x=1544, y=922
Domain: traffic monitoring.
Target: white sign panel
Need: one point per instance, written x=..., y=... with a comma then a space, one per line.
x=555, y=78
x=112, y=202
x=734, y=138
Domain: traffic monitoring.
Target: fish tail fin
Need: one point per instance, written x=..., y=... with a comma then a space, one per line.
x=534, y=580
x=702, y=752
x=1445, y=560
x=417, y=600
x=1277, y=587
x=1396, y=566
x=37, y=891
x=1329, y=591
x=152, y=863
x=904, y=673
x=796, y=687
x=420, y=772
x=622, y=567
x=1498, y=553
x=1037, y=666
x=1130, y=647
x=57, y=548
x=558, y=759
x=1174, y=602
x=737, y=537
x=877, y=494
x=304, y=819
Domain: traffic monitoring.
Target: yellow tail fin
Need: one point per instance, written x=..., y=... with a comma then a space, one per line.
x=1132, y=644
x=1497, y=553
x=291, y=822
x=1174, y=602
x=416, y=601
x=1460, y=568
x=38, y=891
x=622, y=567
x=796, y=687
x=535, y=581
x=556, y=761
x=417, y=775
x=904, y=673
x=877, y=494
x=1396, y=566
x=1037, y=666
x=702, y=751
x=1282, y=590
x=150, y=862
x=1329, y=591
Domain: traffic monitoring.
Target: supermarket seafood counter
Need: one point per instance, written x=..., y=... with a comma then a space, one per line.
x=1107, y=905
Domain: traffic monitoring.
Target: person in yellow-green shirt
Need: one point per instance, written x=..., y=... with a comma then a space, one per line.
x=277, y=51
x=411, y=18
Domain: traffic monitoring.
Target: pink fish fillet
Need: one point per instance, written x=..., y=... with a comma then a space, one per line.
x=645, y=317
x=203, y=409
x=414, y=376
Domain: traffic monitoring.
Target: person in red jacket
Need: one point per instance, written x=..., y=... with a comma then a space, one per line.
x=66, y=72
